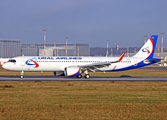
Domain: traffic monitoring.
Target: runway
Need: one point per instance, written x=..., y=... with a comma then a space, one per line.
x=46, y=78
x=155, y=68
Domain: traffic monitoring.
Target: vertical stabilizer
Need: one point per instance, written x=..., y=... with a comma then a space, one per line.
x=147, y=51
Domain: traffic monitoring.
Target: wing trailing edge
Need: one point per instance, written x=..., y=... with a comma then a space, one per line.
x=101, y=64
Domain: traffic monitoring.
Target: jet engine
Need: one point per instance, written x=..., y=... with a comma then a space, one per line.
x=72, y=71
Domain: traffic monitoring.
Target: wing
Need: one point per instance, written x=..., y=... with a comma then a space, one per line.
x=93, y=66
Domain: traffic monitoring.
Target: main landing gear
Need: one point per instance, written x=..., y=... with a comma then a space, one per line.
x=87, y=76
x=21, y=76
x=79, y=76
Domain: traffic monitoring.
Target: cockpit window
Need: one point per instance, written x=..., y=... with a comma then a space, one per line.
x=12, y=60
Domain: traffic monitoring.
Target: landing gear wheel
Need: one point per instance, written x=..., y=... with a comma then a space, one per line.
x=79, y=76
x=21, y=76
x=87, y=76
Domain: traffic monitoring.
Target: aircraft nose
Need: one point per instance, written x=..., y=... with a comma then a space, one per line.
x=4, y=66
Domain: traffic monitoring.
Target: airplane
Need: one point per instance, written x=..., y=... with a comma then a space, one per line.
x=76, y=65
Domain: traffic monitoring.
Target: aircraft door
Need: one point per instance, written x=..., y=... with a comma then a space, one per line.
x=22, y=61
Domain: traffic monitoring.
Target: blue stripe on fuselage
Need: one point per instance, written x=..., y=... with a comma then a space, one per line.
x=140, y=64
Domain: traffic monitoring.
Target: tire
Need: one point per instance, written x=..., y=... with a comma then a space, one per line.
x=87, y=76
x=79, y=76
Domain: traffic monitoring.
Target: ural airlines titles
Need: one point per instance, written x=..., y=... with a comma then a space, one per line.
x=60, y=58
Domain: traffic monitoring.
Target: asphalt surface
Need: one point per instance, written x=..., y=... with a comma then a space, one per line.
x=53, y=78
x=39, y=78
x=155, y=68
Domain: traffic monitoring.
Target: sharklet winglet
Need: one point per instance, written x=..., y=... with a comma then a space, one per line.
x=120, y=59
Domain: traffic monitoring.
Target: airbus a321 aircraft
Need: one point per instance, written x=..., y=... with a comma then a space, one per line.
x=75, y=66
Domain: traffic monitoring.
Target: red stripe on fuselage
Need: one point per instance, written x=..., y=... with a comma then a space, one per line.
x=37, y=65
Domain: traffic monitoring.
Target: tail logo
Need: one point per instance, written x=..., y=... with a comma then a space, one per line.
x=146, y=50
x=32, y=62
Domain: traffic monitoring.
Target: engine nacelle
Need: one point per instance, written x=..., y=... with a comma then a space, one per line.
x=72, y=71
x=58, y=73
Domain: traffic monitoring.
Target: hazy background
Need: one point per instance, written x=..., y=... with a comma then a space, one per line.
x=84, y=21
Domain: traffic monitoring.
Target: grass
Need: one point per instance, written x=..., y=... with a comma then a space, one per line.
x=83, y=100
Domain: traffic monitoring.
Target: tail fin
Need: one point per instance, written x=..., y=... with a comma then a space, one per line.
x=147, y=51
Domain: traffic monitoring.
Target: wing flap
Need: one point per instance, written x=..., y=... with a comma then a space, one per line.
x=98, y=65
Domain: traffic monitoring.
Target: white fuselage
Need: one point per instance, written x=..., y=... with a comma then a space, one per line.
x=59, y=63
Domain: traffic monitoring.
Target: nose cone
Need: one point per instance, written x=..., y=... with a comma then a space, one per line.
x=5, y=66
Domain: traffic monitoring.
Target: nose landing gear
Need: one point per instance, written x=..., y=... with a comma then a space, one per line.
x=21, y=76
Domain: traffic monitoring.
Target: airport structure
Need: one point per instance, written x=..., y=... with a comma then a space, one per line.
x=13, y=48
x=56, y=50
x=10, y=48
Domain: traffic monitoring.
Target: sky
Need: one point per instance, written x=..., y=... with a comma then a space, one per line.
x=84, y=21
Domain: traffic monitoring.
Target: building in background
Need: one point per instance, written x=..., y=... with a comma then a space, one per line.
x=13, y=48
x=58, y=50
x=10, y=48
x=29, y=50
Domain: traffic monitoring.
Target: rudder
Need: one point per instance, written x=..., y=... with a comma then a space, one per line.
x=147, y=51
